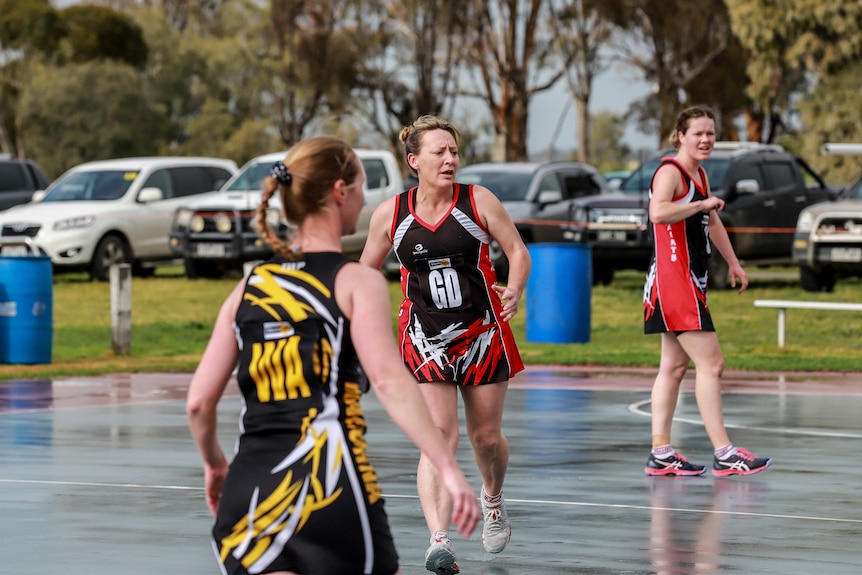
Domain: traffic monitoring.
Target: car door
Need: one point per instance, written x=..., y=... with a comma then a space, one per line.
x=550, y=208
x=151, y=227
x=788, y=192
x=749, y=215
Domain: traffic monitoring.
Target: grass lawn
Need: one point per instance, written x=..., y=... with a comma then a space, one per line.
x=172, y=318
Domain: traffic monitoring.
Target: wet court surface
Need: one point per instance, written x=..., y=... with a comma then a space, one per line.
x=99, y=476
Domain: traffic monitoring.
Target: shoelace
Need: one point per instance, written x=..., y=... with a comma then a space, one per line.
x=745, y=454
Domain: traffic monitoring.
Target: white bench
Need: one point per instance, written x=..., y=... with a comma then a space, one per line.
x=783, y=306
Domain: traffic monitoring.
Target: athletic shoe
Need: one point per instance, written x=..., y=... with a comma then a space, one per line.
x=497, y=531
x=676, y=464
x=440, y=557
x=743, y=462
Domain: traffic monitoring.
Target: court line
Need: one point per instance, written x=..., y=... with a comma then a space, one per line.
x=636, y=409
x=508, y=499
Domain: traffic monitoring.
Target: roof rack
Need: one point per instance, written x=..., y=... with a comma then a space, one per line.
x=732, y=146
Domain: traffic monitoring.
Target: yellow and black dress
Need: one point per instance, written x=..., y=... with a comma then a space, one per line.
x=301, y=494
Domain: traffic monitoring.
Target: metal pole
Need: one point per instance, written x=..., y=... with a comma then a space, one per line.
x=121, y=308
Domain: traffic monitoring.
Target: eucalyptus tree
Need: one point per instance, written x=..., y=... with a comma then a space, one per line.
x=511, y=53
x=672, y=42
x=582, y=34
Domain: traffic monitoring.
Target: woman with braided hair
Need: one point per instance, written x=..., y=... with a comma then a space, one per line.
x=309, y=329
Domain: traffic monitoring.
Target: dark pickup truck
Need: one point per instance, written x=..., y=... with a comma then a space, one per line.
x=18, y=180
x=764, y=187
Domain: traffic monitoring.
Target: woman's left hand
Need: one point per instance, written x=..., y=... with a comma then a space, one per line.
x=510, y=298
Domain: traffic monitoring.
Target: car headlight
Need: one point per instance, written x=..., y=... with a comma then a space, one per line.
x=805, y=222
x=183, y=218
x=223, y=223
x=74, y=223
x=273, y=217
x=196, y=224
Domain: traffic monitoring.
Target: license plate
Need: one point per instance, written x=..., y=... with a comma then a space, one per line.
x=611, y=236
x=210, y=250
x=14, y=250
x=846, y=254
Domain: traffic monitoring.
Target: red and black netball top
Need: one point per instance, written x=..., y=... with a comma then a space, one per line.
x=300, y=494
x=675, y=289
x=449, y=323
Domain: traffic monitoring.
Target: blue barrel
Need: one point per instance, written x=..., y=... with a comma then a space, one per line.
x=559, y=292
x=26, y=309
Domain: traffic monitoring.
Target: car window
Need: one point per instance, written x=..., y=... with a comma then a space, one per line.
x=716, y=171
x=375, y=173
x=579, y=185
x=855, y=191
x=252, y=177
x=160, y=179
x=96, y=186
x=217, y=177
x=550, y=182
x=750, y=171
x=507, y=186
x=11, y=178
x=189, y=181
x=640, y=180
x=780, y=175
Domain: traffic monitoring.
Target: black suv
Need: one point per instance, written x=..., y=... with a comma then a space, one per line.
x=764, y=188
x=537, y=196
x=18, y=180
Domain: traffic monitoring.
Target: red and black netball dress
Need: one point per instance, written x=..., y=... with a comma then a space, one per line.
x=449, y=322
x=300, y=494
x=675, y=289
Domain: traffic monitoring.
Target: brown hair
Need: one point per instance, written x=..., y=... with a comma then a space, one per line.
x=412, y=134
x=314, y=165
x=684, y=119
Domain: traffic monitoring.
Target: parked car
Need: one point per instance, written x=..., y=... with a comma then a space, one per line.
x=113, y=211
x=828, y=240
x=19, y=178
x=537, y=196
x=616, y=177
x=764, y=187
x=217, y=234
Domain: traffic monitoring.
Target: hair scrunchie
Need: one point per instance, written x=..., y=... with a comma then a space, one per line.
x=280, y=173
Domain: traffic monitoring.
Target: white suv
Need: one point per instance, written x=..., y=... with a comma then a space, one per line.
x=113, y=211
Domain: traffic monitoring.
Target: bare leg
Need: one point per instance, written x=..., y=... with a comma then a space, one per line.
x=665, y=389
x=442, y=401
x=703, y=348
x=483, y=406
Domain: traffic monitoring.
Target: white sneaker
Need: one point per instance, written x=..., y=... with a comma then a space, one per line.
x=497, y=531
x=440, y=557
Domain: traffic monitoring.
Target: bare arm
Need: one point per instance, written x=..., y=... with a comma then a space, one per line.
x=364, y=297
x=379, y=243
x=207, y=386
x=496, y=219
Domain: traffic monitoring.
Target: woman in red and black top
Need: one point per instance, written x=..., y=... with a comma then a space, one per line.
x=453, y=322
x=684, y=218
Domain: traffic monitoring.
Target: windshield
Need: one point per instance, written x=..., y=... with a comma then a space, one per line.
x=640, y=180
x=855, y=191
x=507, y=186
x=251, y=179
x=91, y=186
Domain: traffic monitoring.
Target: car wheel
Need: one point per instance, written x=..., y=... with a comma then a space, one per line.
x=111, y=249
x=815, y=281
x=200, y=269
x=602, y=275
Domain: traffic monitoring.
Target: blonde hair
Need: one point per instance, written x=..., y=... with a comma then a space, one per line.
x=683, y=120
x=412, y=134
x=314, y=165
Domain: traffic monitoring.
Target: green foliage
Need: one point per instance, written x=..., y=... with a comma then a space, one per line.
x=29, y=25
x=86, y=112
x=95, y=32
x=607, y=148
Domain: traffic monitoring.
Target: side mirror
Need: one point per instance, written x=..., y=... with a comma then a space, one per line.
x=38, y=195
x=148, y=195
x=549, y=197
x=747, y=187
